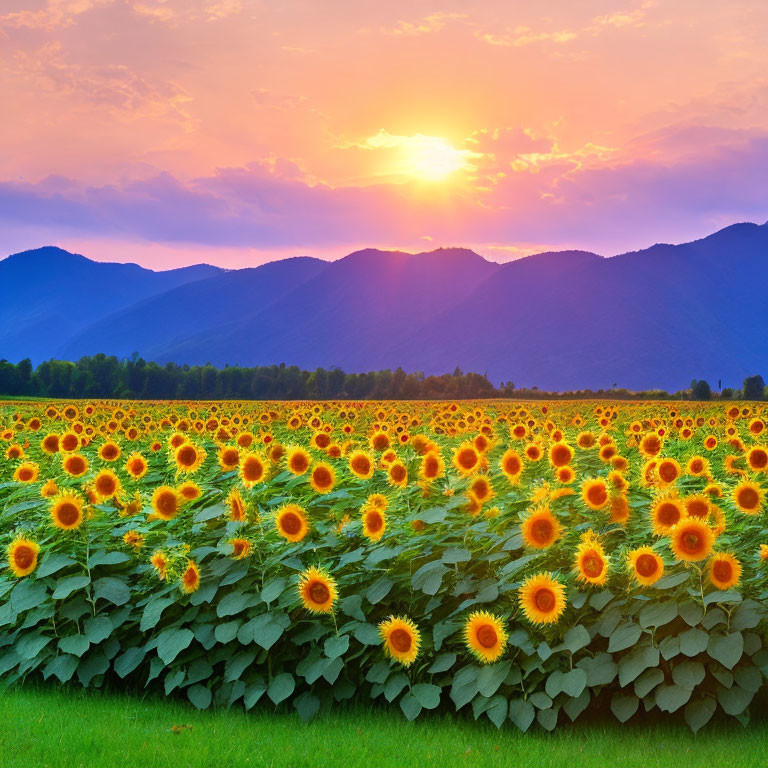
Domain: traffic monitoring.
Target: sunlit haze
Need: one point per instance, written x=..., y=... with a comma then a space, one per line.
x=234, y=132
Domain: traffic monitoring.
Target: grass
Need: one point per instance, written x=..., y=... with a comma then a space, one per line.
x=70, y=727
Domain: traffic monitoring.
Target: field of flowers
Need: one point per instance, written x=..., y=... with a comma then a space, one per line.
x=525, y=561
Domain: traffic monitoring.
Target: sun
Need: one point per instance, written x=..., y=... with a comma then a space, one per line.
x=431, y=158
x=420, y=157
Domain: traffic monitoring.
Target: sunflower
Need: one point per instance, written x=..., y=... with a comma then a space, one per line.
x=647, y=567
x=136, y=466
x=482, y=489
x=317, y=590
x=68, y=442
x=667, y=471
x=650, y=445
x=401, y=639
x=560, y=455
x=697, y=466
x=378, y=500
x=591, y=564
x=188, y=458
x=541, y=529
x=190, y=578
x=697, y=505
x=27, y=472
x=106, y=485
x=49, y=490
x=542, y=598
x=691, y=540
x=253, y=469
x=228, y=457
x=297, y=460
x=109, y=451
x=74, y=464
x=595, y=493
x=241, y=548
x=361, y=464
x=565, y=475
x=619, y=508
x=485, y=636
x=67, y=511
x=14, y=452
x=166, y=502
x=190, y=490
x=22, y=556
x=133, y=539
x=236, y=506
x=374, y=522
x=322, y=478
x=379, y=441
x=432, y=466
x=511, y=464
x=466, y=459
x=757, y=458
x=50, y=443
x=666, y=512
x=291, y=522
x=724, y=570
x=748, y=497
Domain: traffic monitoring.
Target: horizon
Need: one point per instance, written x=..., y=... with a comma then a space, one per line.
x=339, y=257
x=233, y=133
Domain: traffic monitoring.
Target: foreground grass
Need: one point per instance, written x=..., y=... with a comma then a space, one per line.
x=58, y=727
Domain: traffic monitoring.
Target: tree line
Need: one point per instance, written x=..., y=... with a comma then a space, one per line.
x=107, y=376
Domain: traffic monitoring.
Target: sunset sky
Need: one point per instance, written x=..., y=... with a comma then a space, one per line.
x=170, y=132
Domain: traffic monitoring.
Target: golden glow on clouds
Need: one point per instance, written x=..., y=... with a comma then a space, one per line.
x=426, y=158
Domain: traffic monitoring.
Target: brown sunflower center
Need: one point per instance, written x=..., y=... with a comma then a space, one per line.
x=487, y=636
x=646, y=565
x=319, y=592
x=291, y=523
x=401, y=640
x=67, y=513
x=544, y=599
x=23, y=556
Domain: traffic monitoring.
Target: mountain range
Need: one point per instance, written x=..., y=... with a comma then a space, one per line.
x=557, y=320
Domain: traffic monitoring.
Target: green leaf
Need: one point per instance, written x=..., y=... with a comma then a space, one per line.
x=394, y=686
x=693, y=641
x=688, y=674
x=747, y=615
x=63, y=667
x=699, y=712
x=497, y=710
x=171, y=642
x=547, y=718
x=273, y=589
x=576, y=638
x=427, y=695
x=226, y=632
x=452, y=556
x=200, y=696
x=656, y=614
x=491, y=676
x=352, y=606
x=93, y=665
x=521, y=713
x=98, y=628
x=624, y=706
x=209, y=513
x=442, y=663
x=30, y=645
x=410, y=706
x=648, y=681
x=237, y=664
x=336, y=646
x=574, y=682
x=307, y=706
x=127, y=661
x=52, y=563
x=114, y=590
x=636, y=662
x=624, y=636
x=153, y=610
x=734, y=700
x=102, y=557
x=669, y=698
x=367, y=634
x=27, y=594
x=727, y=649
x=253, y=693
x=75, y=644
x=672, y=580
x=727, y=596
x=691, y=613
x=281, y=687
x=379, y=590
x=69, y=584
x=429, y=577
x=235, y=602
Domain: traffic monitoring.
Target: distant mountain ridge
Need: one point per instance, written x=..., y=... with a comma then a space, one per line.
x=557, y=320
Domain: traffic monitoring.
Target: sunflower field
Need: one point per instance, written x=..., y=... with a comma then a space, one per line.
x=526, y=562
